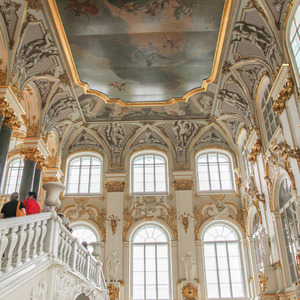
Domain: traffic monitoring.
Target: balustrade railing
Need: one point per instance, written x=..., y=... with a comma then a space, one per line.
x=26, y=239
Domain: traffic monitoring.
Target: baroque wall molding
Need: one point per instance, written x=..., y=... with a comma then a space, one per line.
x=255, y=151
x=283, y=96
x=189, y=291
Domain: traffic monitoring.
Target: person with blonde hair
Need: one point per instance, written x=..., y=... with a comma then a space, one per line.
x=9, y=209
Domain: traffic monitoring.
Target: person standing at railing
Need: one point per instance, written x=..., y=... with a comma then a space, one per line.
x=31, y=205
x=9, y=209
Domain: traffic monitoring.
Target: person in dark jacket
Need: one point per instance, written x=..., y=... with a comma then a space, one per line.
x=9, y=209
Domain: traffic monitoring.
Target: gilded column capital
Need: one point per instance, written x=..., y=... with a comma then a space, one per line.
x=189, y=291
x=183, y=184
x=12, y=122
x=32, y=154
x=115, y=186
x=255, y=150
x=5, y=110
x=41, y=162
x=283, y=96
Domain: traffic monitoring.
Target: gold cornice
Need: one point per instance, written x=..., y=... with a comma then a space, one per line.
x=67, y=51
x=189, y=291
x=115, y=186
x=183, y=184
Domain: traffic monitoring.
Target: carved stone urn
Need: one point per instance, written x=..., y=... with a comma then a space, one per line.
x=53, y=189
x=96, y=249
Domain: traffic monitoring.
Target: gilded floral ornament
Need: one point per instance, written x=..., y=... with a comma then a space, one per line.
x=183, y=184
x=262, y=282
x=41, y=163
x=284, y=95
x=5, y=109
x=113, y=222
x=256, y=149
x=189, y=291
x=114, y=292
x=115, y=186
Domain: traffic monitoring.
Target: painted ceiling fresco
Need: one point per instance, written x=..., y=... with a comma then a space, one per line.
x=142, y=50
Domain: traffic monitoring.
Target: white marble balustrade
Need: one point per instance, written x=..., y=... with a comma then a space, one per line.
x=25, y=240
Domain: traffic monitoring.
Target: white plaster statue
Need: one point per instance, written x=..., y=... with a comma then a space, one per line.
x=112, y=263
x=189, y=265
x=264, y=239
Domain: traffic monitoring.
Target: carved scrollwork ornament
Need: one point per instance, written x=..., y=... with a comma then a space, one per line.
x=183, y=184
x=115, y=186
x=114, y=292
x=189, y=292
x=184, y=218
x=255, y=151
x=35, y=4
x=284, y=95
x=41, y=163
x=262, y=279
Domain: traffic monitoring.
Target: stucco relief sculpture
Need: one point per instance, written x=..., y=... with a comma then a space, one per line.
x=184, y=218
x=112, y=264
x=62, y=105
x=189, y=266
x=256, y=36
x=183, y=131
x=33, y=53
x=115, y=135
x=264, y=240
x=113, y=222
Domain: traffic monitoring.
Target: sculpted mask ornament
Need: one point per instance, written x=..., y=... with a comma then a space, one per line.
x=189, y=292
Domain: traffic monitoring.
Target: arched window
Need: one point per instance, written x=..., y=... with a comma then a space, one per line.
x=256, y=243
x=290, y=224
x=223, y=263
x=14, y=175
x=150, y=264
x=84, y=233
x=294, y=38
x=149, y=173
x=269, y=117
x=84, y=174
x=214, y=172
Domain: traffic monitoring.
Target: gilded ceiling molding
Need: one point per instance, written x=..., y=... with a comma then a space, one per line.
x=115, y=186
x=32, y=128
x=255, y=151
x=189, y=292
x=284, y=95
x=262, y=279
x=288, y=11
x=114, y=292
x=205, y=83
x=32, y=154
x=183, y=184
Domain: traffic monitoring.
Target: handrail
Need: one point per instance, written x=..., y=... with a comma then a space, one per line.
x=23, y=239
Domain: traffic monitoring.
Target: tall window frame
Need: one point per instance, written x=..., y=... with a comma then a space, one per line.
x=214, y=171
x=149, y=173
x=150, y=263
x=271, y=122
x=13, y=175
x=290, y=227
x=84, y=174
x=293, y=39
x=224, y=273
